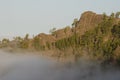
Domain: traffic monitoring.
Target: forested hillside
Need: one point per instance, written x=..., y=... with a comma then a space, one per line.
x=96, y=36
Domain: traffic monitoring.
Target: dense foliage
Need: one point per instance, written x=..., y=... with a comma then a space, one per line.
x=103, y=40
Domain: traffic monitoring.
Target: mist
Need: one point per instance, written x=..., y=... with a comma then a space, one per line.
x=34, y=67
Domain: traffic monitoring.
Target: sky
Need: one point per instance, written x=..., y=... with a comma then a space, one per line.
x=19, y=17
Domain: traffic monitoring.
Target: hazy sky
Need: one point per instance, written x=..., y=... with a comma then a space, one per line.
x=18, y=17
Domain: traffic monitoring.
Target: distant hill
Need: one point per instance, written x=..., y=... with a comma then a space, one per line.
x=96, y=36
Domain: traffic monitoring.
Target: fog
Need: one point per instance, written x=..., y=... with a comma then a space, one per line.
x=33, y=67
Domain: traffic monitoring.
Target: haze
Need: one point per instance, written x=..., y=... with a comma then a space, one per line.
x=18, y=17
x=33, y=67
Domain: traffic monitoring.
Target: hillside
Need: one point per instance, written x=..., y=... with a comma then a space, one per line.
x=94, y=36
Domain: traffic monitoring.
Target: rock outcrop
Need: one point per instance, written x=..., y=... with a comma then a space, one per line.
x=63, y=33
x=89, y=20
x=46, y=38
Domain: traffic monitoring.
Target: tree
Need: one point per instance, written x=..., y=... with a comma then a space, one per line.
x=117, y=15
x=52, y=31
x=36, y=43
x=25, y=42
x=74, y=22
x=112, y=15
x=5, y=41
x=116, y=30
x=26, y=36
x=104, y=16
x=18, y=39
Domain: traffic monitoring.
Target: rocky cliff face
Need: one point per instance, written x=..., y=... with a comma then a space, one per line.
x=63, y=33
x=89, y=20
x=46, y=38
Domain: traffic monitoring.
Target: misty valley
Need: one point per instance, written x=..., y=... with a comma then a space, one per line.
x=89, y=49
x=59, y=39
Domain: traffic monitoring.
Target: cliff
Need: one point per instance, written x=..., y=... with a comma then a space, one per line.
x=89, y=20
x=96, y=36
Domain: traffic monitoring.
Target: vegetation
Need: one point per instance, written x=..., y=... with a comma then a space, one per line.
x=4, y=43
x=74, y=22
x=102, y=41
x=117, y=15
x=52, y=31
x=25, y=42
x=37, y=44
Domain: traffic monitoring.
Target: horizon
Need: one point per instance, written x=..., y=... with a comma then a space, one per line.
x=18, y=18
